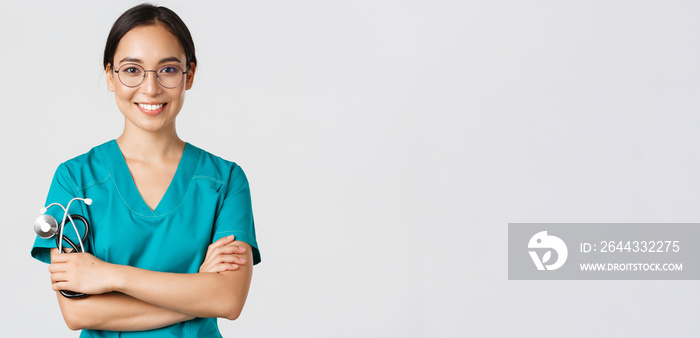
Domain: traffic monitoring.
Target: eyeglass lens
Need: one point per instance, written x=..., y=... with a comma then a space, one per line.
x=132, y=75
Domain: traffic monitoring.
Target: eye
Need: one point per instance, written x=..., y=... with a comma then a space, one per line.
x=131, y=70
x=169, y=70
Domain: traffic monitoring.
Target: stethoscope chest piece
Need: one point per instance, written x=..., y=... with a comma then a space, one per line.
x=45, y=226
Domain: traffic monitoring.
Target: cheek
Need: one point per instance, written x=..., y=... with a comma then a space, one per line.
x=122, y=93
x=178, y=96
x=123, y=96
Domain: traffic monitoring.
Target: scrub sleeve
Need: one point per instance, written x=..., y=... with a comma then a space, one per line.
x=62, y=190
x=236, y=214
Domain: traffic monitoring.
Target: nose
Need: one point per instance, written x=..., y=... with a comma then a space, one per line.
x=150, y=84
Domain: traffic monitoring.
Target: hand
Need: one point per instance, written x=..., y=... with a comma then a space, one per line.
x=223, y=256
x=80, y=272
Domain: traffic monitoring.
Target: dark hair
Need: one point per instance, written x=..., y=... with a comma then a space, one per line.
x=144, y=15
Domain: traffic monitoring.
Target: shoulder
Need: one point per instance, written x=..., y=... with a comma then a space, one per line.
x=212, y=165
x=219, y=170
x=86, y=169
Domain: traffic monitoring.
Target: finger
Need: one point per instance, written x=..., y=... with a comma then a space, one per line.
x=212, y=266
x=219, y=251
x=219, y=243
x=231, y=259
x=59, y=258
x=221, y=268
x=240, y=260
x=58, y=277
x=59, y=286
x=235, y=246
x=230, y=249
x=53, y=268
x=223, y=241
x=237, y=249
x=226, y=267
x=225, y=254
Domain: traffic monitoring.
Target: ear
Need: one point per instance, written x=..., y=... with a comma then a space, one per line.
x=190, y=76
x=110, y=78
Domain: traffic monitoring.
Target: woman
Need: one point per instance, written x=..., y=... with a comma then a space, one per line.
x=172, y=234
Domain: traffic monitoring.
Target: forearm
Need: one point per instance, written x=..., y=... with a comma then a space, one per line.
x=204, y=294
x=116, y=312
x=199, y=295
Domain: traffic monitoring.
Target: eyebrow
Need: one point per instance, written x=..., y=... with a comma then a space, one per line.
x=168, y=59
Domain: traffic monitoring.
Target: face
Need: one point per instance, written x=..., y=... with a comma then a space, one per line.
x=149, y=106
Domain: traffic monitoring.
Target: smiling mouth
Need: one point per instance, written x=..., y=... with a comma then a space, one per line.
x=151, y=107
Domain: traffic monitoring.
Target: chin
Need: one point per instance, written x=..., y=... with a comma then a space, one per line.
x=151, y=127
x=150, y=124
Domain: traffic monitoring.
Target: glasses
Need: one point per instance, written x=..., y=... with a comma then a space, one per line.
x=132, y=75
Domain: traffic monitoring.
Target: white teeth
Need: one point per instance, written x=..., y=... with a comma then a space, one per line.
x=150, y=106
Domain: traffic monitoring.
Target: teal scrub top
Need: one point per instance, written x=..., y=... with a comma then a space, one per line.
x=208, y=198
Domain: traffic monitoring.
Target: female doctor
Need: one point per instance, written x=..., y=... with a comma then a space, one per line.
x=172, y=234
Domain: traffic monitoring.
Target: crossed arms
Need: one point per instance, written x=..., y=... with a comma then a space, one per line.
x=125, y=298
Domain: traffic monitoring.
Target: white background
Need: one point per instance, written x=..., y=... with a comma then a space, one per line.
x=388, y=144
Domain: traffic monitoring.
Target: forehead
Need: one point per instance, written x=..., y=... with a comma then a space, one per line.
x=150, y=44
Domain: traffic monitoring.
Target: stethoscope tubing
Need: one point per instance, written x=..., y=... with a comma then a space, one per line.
x=76, y=248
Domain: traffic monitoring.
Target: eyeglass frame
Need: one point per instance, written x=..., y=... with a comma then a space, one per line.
x=155, y=71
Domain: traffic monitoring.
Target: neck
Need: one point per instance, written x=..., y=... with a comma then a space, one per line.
x=150, y=146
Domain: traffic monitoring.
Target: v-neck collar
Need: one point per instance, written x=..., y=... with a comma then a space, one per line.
x=130, y=193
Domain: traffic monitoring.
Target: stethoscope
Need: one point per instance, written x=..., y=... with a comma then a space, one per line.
x=46, y=226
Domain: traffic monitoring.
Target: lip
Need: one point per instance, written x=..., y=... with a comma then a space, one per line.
x=151, y=112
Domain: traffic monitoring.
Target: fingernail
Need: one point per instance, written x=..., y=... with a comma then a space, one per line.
x=230, y=236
